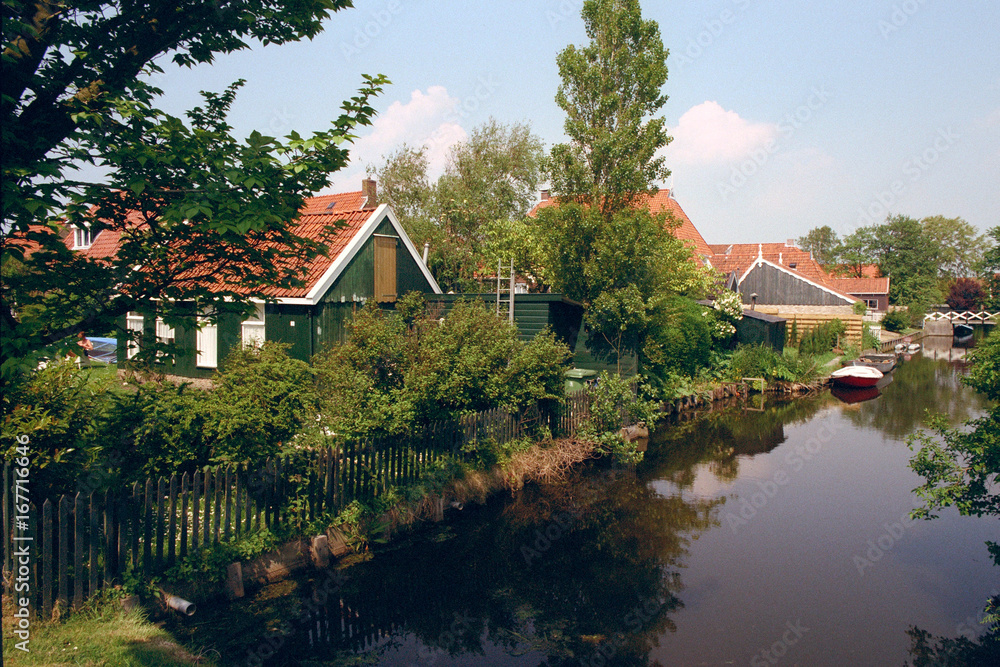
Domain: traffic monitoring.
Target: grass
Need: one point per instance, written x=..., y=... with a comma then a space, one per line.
x=101, y=635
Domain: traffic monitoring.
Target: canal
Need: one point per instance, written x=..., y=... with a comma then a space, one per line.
x=778, y=535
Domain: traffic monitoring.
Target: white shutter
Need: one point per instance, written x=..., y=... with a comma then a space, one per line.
x=208, y=344
x=133, y=322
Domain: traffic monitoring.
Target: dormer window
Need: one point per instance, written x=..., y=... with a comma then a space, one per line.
x=83, y=238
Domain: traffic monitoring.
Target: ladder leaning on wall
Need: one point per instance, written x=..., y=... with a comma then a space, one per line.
x=505, y=291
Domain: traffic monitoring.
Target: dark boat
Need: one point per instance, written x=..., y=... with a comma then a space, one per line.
x=962, y=331
x=852, y=395
x=881, y=362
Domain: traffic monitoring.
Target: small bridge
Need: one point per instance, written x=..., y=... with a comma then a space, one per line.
x=967, y=317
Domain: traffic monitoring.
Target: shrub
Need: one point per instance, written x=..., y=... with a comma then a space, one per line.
x=262, y=398
x=399, y=372
x=761, y=361
x=682, y=343
x=896, y=320
x=859, y=308
x=610, y=402
x=822, y=338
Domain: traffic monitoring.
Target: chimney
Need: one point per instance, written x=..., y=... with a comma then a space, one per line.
x=545, y=195
x=780, y=258
x=368, y=186
x=790, y=243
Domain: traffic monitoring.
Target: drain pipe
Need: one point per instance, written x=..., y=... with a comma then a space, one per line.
x=427, y=248
x=180, y=605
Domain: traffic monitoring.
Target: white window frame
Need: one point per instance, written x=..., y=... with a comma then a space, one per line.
x=83, y=238
x=164, y=333
x=252, y=329
x=133, y=322
x=207, y=342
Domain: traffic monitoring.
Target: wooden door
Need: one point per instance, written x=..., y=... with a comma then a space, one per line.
x=385, y=268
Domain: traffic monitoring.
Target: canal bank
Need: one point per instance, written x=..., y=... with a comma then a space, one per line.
x=735, y=525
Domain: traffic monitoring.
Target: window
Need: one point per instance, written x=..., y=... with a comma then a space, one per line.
x=207, y=342
x=164, y=334
x=82, y=238
x=133, y=322
x=385, y=268
x=253, y=327
x=872, y=303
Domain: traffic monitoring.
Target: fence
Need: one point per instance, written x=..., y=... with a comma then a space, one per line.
x=84, y=542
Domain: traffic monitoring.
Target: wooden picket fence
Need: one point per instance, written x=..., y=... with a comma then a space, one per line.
x=81, y=543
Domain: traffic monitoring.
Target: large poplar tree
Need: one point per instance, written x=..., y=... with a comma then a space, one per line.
x=611, y=90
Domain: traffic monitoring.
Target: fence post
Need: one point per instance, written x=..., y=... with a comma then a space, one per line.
x=95, y=544
x=63, y=553
x=185, y=483
x=229, y=502
x=195, y=509
x=46, y=559
x=172, y=522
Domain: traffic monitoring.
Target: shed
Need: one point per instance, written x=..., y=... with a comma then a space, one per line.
x=757, y=328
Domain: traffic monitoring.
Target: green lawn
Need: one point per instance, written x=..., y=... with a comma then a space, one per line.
x=101, y=636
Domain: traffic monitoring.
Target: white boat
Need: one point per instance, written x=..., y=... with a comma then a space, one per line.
x=856, y=376
x=913, y=347
x=900, y=348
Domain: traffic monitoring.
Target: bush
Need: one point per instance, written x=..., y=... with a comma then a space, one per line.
x=262, y=398
x=59, y=407
x=610, y=402
x=401, y=371
x=761, y=361
x=859, y=308
x=896, y=320
x=822, y=338
x=682, y=343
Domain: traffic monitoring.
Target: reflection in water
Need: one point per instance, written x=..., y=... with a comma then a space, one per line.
x=637, y=567
x=919, y=385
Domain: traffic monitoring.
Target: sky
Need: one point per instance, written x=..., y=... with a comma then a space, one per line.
x=785, y=116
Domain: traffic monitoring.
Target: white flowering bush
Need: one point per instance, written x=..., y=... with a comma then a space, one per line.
x=728, y=311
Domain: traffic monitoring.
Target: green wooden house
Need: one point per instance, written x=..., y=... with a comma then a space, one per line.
x=371, y=258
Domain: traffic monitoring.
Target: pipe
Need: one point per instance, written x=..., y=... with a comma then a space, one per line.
x=180, y=605
x=427, y=249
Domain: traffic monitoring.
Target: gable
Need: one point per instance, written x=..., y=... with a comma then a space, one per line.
x=776, y=285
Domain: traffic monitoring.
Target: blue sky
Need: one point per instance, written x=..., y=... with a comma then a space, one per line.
x=785, y=115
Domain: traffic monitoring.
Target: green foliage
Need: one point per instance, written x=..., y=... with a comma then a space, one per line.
x=470, y=214
x=961, y=467
x=762, y=361
x=859, y=308
x=959, y=242
x=681, y=340
x=868, y=338
x=395, y=375
x=59, y=408
x=822, y=338
x=897, y=320
x=610, y=91
x=262, y=397
x=611, y=402
x=217, y=206
x=822, y=242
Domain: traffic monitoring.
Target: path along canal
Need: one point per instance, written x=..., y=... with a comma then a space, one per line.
x=744, y=538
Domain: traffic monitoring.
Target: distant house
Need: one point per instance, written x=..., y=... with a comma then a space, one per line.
x=779, y=274
x=662, y=202
x=872, y=288
x=370, y=258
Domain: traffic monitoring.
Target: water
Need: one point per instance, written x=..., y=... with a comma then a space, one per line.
x=745, y=538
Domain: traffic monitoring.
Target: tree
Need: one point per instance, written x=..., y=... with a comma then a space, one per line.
x=610, y=91
x=960, y=244
x=910, y=258
x=989, y=269
x=489, y=184
x=854, y=252
x=966, y=294
x=821, y=242
x=189, y=199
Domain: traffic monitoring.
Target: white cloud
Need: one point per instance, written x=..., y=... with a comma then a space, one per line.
x=708, y=134
x=427, y=119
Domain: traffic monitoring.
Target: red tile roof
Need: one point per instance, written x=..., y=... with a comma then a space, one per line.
x=861, y=285
x=739, y=257
x=661, y=202
x=316, y=214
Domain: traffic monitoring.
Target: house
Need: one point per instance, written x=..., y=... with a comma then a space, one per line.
x=871, y=287
x=662, y=202
x=782, y=280
x=777, y=274
x=370, y=258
